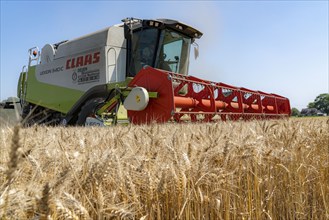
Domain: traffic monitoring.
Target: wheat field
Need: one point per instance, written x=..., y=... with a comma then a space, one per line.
x=275, y=169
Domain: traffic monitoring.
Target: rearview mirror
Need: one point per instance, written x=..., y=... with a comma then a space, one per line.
x=196, y=50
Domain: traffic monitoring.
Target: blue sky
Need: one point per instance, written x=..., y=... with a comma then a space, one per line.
x=274, y=46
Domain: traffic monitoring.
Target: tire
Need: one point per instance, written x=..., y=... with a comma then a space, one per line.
x=88, y=109
x=27, y=119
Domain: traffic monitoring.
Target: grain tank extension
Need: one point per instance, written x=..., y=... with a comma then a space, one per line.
x=134, y=72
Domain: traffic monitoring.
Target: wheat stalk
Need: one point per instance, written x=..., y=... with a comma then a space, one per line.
x=233, y=170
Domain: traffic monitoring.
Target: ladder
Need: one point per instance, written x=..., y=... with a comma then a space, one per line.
x=34, y=59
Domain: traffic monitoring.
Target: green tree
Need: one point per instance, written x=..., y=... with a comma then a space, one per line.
x=321, y=103
x=295, y=112
x=311, y=105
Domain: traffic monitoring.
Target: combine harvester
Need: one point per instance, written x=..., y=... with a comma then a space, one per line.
x=134, y=72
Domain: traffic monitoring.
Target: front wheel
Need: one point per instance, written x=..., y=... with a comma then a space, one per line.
x=88, y=110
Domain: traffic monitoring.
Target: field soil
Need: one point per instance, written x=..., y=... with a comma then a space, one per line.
x=275, y=169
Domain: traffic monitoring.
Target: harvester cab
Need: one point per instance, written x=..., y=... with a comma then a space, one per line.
x=162, y=44
x=134, y=72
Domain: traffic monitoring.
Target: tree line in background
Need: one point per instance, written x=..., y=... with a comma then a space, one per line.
x=319, y=107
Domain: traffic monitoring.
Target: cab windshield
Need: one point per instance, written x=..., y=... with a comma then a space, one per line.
x=163, y=49
x=174, y=52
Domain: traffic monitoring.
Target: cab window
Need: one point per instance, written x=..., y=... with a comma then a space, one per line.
x=174, y=52
x=143, y=50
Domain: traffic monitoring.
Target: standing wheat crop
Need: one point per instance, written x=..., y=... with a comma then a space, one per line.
x=232, y=170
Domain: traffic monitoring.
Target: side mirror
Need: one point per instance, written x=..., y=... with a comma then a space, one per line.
x=196, y=50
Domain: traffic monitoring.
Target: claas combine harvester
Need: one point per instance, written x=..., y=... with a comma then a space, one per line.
x=134, y=72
